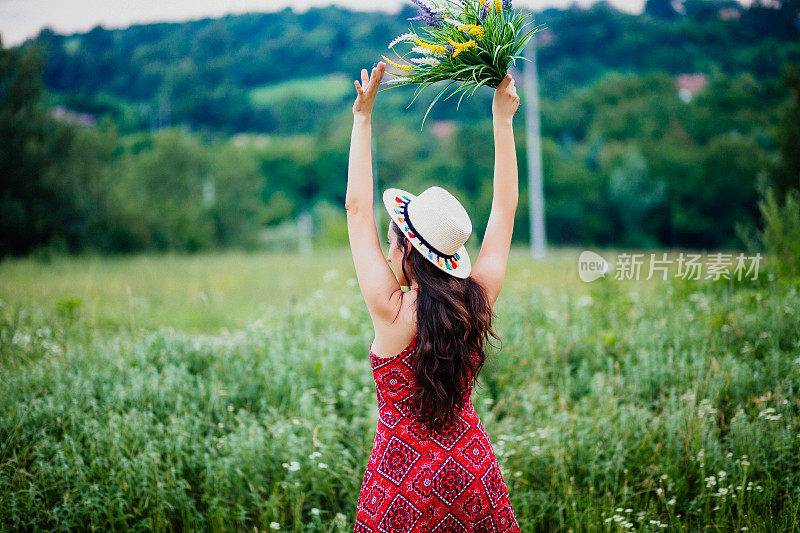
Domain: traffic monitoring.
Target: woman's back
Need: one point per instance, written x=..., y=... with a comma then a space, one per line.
x=418, y=480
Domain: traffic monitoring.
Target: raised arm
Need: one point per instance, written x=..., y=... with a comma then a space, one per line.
x=375, y=278
x=490, y=267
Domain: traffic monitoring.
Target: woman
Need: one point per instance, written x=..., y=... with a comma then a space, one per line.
x=432, y=466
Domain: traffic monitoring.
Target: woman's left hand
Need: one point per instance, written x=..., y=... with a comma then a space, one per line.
x=367, y=90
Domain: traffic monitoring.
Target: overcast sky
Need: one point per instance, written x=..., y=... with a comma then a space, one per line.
x=20, y=19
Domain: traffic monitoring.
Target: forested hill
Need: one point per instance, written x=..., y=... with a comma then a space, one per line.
x=235, y=73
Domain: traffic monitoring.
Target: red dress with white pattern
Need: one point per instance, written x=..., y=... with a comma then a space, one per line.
x=420, y=481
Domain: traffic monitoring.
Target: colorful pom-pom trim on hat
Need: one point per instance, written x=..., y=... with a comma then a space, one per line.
x=450, y=262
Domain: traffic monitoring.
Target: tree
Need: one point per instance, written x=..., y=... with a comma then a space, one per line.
x=634, y=194
x=663, y=9
x=786, y=174
x=32, y=147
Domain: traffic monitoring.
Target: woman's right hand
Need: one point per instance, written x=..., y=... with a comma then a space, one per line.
x=367, y=90
x=506, y=101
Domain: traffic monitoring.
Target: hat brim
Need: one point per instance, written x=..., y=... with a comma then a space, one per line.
x=463, y=266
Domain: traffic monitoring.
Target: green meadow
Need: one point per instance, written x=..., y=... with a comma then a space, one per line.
x=232, y=392
x=324, y=89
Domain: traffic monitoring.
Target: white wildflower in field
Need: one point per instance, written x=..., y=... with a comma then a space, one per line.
x=21, y=339
x=274, y=525
x=770, y=414
x=323, y=465
x=340, y=520
x=293, y=466
x=315, y=511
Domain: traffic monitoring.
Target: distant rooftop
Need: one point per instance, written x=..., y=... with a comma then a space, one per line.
x=84, y=119
x=690, y=84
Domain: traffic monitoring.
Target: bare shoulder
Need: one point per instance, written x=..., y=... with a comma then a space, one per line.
x=393, y=335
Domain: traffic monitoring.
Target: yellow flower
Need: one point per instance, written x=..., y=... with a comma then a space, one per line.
x=404, y=68
x=435, y=48
x=460, y=47
x=473, y=29
x=498, y=6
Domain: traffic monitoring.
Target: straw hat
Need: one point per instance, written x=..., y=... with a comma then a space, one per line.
x=436, y=224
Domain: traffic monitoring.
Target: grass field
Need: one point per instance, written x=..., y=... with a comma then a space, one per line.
x=232, y=392
x=211, y=292
x=324, y=89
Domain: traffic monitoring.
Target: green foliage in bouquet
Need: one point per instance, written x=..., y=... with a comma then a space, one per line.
x=470, y=43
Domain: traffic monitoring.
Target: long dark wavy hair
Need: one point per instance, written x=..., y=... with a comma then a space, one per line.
x=454, y=319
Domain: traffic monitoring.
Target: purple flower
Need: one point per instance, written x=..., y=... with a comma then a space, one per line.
x=450, y=48
x=426, y=15
x=506, y=5
x=484, y=10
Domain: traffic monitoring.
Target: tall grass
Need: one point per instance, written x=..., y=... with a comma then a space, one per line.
x=612, y=406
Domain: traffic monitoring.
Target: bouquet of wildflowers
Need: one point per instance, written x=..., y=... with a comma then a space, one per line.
x=470, y=43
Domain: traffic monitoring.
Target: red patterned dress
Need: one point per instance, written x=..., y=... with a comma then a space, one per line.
x=419, y=481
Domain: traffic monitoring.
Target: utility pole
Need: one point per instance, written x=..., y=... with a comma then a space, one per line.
x=304, y=231
x=533, y=134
